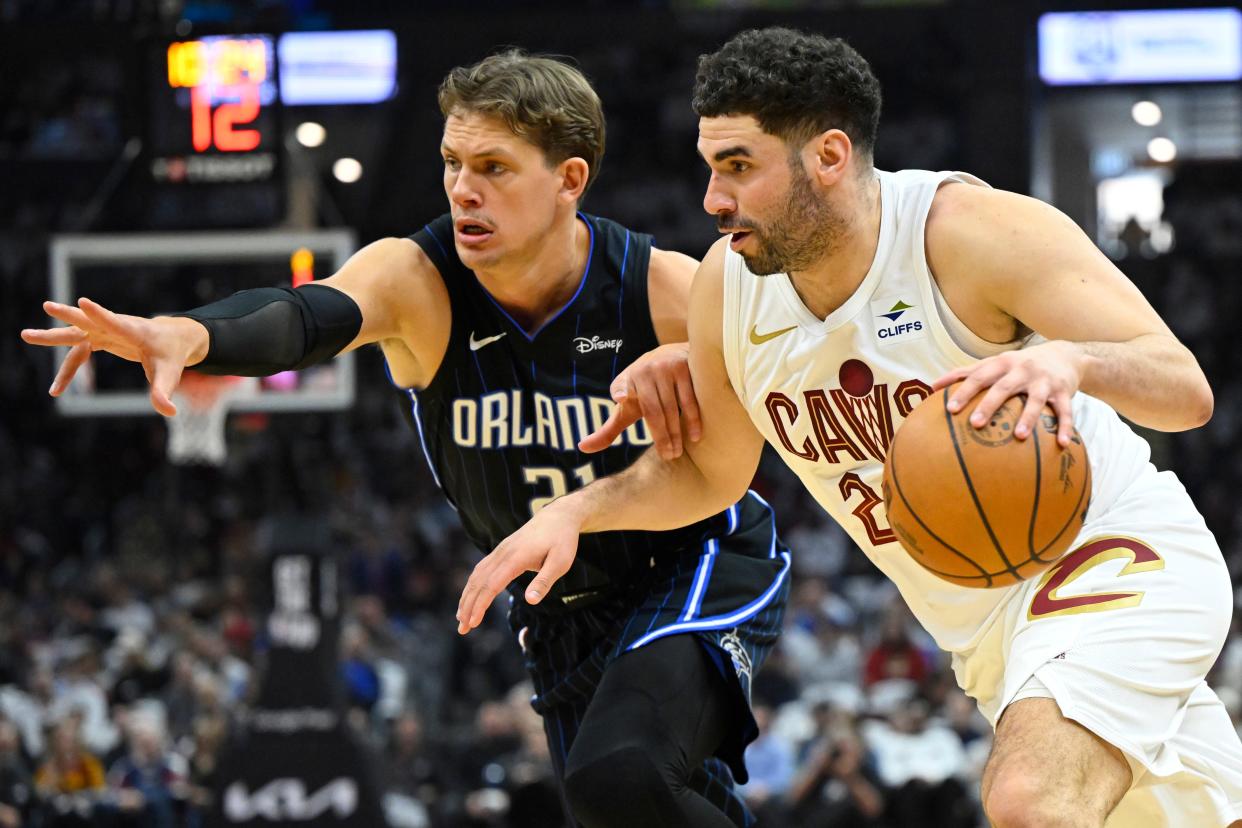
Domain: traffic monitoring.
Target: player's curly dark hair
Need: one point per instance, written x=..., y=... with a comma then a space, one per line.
x=794, y=84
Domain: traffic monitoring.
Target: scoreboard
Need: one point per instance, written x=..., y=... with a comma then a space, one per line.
x=213, y=106
x=214, y=111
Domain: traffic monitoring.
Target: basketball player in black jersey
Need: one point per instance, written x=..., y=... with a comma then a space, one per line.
x=505, y=322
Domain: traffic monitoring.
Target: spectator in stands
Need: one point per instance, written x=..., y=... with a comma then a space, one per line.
x=770, y=761
x=148, y=781
x=78, y=692
x=362, y=683
x=70, y=780
x=209, y=733
x=178, y=696
x=17, y=790
x=836, y=787
x=918, y=762
x=411, y=768
x=895, y=656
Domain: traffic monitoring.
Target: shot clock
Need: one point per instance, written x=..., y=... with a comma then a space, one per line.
x=214, y=109
x=213, y=124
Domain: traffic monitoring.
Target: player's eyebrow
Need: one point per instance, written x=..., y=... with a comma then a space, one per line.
x=730, y=152
x=490, y=152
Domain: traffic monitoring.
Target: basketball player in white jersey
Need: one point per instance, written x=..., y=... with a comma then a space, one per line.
x=842, y=297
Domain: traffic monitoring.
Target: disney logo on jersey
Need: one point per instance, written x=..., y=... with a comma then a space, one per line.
x=897, y=319
x=585, y=346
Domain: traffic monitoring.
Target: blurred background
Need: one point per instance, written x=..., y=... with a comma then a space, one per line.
x=159, y=620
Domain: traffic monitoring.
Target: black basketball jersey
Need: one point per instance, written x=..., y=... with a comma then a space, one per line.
x=501, y=419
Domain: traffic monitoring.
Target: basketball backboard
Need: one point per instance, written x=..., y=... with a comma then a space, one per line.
x=152, y=273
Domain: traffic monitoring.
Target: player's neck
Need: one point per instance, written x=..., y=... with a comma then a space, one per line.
x=535, y=288
x=834, y=278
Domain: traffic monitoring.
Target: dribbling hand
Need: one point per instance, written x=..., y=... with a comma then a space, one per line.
x=547, y=544
x=1048, y=373
x=163, y=345
x=657, y=387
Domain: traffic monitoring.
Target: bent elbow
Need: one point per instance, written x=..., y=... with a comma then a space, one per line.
x=1206, y=404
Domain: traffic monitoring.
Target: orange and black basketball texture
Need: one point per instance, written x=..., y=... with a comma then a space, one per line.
x=977, y=506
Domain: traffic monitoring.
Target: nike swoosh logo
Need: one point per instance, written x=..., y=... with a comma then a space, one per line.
x=757, y=338
x=476, y=344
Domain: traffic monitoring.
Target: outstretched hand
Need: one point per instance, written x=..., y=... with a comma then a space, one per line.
x=547, y=544
x=1048, y=373
x=163, y=345
x=656, y=386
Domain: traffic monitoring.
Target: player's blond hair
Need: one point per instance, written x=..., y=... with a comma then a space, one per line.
x=545, y=101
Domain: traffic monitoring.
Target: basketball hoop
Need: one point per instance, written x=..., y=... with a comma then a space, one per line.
x=196, y=434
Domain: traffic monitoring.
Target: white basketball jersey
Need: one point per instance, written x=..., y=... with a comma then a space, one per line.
x=828, y=394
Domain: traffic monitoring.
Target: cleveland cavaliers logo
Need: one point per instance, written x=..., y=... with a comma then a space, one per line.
x=853, y=422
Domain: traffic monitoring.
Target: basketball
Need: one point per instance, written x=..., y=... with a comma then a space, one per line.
x=977, y=506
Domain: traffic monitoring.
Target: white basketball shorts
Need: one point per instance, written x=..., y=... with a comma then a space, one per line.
x=1121, y=633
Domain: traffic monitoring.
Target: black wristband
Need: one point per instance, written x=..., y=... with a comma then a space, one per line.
x=264, y=331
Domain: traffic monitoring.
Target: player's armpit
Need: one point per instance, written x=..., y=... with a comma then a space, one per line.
x=669, y=277
x=403, y=300
x=398, y=290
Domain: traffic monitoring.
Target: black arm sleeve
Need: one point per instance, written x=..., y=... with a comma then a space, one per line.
x=264, y=331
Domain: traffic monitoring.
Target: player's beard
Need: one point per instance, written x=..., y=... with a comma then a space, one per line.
x=805, y=229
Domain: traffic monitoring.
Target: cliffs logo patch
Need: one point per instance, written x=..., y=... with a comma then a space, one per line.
x=896, y=320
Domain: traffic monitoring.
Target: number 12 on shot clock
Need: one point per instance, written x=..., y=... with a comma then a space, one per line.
x=221, y=69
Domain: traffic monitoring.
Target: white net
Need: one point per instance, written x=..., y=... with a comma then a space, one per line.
x=196, y=434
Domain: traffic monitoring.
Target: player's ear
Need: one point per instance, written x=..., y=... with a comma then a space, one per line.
x=833, y=152
x=574, y=172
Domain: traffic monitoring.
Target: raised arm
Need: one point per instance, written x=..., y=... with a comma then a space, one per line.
x=1006, y=261
x=651, y=494
x=383, y=292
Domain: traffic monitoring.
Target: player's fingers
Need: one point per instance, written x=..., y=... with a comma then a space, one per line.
x=69, y=335
x=113, y=324
x=983, y=374
x=466, y=602
x=622, y=417
x=465, y=607
x=67, y=314
x=1064, y=408
x=497, y=579
x=478, y=576
x=554, y=566
x=622, y=387
x=689, y=403
x=994, y=398
x=1036, y=396
x=672, y=418
x=953, y=376
x=77, y=355
x=653, y=413
x=165, y=375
